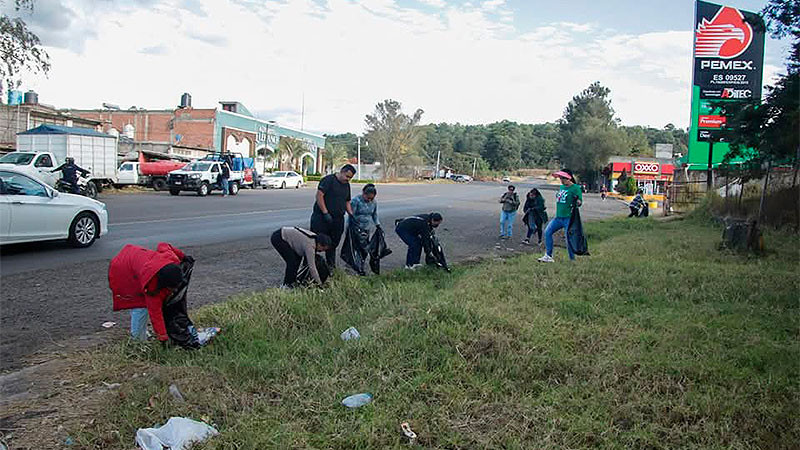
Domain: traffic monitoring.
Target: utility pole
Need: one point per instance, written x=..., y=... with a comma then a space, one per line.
x=474, y=165
x=436, y=174
x=359, y=158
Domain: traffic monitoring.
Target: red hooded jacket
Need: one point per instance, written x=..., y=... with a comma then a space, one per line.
x=131, y=277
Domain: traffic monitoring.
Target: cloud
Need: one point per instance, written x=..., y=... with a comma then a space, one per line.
x=434, y=3
x=210, y=39
x=155, y=50
x=462, y=62
x=194, y=6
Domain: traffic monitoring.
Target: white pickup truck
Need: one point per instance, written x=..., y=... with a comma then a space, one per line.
x=202, y=177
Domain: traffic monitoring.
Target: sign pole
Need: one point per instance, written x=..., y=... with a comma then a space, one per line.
x=709, y=181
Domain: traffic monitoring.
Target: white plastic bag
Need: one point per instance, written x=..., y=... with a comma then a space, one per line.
x=177, y=434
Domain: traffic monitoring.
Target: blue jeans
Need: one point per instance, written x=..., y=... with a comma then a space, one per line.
x=507, y=222
x=139, y=318
x=556, y=224
x=414, y=246
x=224, y=185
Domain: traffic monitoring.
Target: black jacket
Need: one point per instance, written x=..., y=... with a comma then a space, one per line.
x=69, y=172
x=419, y=225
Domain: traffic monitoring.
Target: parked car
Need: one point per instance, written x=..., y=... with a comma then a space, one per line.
x=506, y=179
x=461, y=178
x=30, y=210
x=282, y=180
x=202, y=177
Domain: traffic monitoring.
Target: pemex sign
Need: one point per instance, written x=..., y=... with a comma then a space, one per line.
x=728, y=66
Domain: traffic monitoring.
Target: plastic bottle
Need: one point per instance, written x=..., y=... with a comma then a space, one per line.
x=354, y=401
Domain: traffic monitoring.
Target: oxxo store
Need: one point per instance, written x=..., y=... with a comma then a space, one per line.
x=652, y=176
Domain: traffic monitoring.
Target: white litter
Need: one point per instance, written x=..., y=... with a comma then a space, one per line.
x=350, y=333
x=177, y=434
x=108, y=324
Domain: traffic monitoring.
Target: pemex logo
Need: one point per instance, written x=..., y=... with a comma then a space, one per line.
x=727, y=35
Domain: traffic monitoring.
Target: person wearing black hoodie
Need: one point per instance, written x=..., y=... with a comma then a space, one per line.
x=414, y=231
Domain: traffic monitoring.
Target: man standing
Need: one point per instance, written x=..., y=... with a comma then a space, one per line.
x=333, y=200
x=69, y=173
x=510, y=201
x=224, y=176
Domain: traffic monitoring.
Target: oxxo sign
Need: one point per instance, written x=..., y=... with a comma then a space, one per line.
x=645, y=167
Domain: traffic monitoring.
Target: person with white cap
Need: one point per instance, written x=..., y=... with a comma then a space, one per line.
x=568, y=196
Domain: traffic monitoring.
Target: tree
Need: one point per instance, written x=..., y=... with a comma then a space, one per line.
x=589, y=132
x=20, y=48
x=393, y=135
x=767, y=133
x=503, y=149
x=291, y=150
x=335, y=156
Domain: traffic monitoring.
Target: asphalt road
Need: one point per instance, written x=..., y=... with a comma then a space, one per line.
x=52, y=294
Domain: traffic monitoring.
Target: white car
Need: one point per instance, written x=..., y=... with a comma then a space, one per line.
x=506, y=179
x=282, y=180
x=32, y=211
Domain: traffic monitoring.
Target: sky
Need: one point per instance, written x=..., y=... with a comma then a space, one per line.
x=324, y=64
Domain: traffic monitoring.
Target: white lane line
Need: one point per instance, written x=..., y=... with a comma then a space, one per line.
x=252, y=213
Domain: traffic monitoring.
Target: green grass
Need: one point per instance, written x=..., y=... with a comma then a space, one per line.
x=658, y=340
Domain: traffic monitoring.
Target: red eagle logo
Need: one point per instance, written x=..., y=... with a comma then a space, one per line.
x=727, y=35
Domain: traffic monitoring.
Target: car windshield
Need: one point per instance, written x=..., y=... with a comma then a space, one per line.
x=19, y=159
x=278, y=174
x=197, y=167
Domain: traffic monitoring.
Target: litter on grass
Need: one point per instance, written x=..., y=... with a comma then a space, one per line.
x=179, y=433
x=176, y=393
x=350, y=333
x=108, y=324
x=407, y=431
x=354, y=401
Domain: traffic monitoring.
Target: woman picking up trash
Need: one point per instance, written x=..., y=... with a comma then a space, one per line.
x=568, y=196
x=365, y=208
x=416, y=231
x=155, y=283
x=535, y=215
x=295, y=243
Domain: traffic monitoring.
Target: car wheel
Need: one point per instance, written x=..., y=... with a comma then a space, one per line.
x=283, y=185
x=175, y=191
x=297, y=186
x=91, y=189
x=159, y=184
x=84, y=230
x=234, y=188
x=202, y=191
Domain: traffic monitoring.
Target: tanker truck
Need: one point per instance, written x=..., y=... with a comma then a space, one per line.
x=148, y=171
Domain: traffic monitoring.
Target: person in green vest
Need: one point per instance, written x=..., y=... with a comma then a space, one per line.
x=569, y=196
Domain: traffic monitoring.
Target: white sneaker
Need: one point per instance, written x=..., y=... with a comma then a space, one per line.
x=546, y=258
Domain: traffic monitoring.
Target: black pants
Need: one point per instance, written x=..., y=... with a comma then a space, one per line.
x=292, y=259
x=535, y=227
x=634, y=212
x=334, y=230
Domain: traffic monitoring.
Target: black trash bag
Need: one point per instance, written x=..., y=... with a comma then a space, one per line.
x=576, y=238
x=377, y=249
x=180, y=329
x=354, y=248
x=645, y=210
x=304, y=274
x=434, y=253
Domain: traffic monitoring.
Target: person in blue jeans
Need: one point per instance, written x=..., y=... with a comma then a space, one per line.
x=414, y=231
x=224, y=176
x=568, y=196
x=510, y=201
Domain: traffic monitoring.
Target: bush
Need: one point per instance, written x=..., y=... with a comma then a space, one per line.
x=627, y=186
x=312, y=177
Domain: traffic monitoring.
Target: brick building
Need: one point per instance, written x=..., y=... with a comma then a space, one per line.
x=18, y=118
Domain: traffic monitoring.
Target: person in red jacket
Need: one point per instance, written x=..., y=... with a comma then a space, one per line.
x=142, y=280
